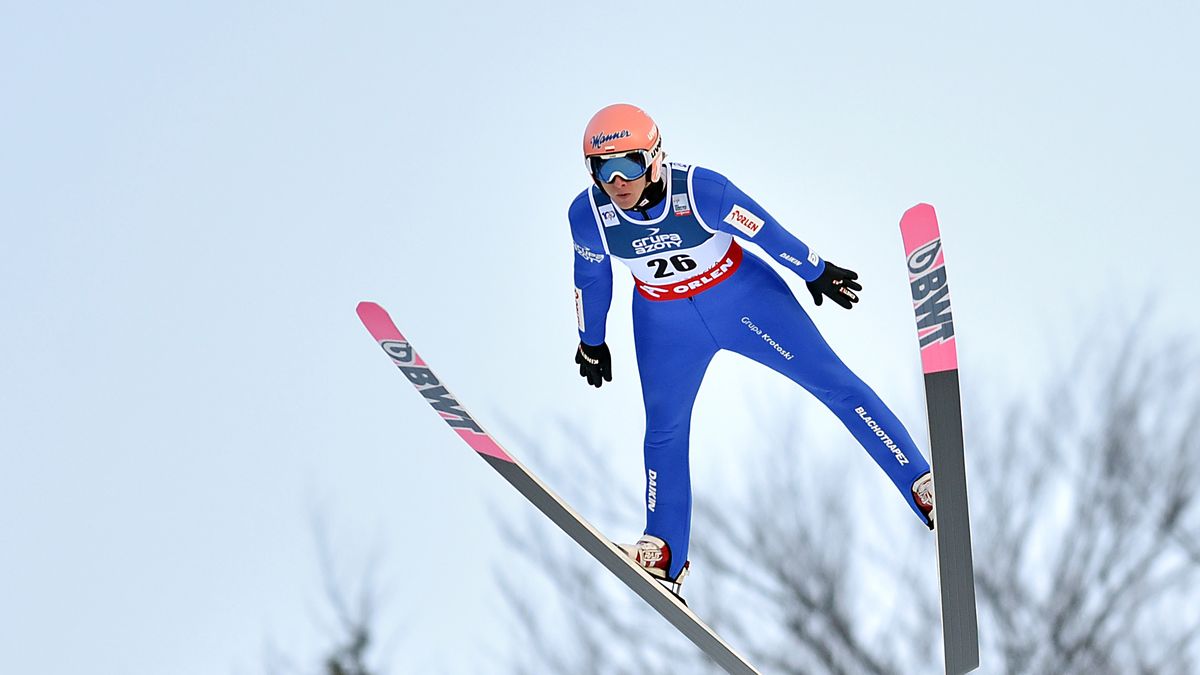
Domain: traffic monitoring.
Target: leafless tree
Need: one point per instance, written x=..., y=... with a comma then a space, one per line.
x=1087, y=561
x=348, y=616
x=353, y=619
x=1086, y=545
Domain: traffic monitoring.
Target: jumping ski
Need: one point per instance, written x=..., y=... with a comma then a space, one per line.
x=939, y=363
x=402, y=354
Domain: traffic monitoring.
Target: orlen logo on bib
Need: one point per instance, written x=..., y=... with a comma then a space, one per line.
x=744, y=221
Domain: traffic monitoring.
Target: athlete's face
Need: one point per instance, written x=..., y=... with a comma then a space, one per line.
x=625, y=193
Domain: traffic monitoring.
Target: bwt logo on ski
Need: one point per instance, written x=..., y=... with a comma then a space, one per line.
x=599, y=140
x=656, y=242
x=881, y=435
x=931, y=296
x=429, y=386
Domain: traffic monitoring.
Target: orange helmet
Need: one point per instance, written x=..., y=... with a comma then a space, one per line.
x=622, y=140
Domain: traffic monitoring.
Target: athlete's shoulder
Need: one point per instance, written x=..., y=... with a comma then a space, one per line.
x=580, y=210
x=583, y=221
x=708, y=178
x=707, y=187
x=581, y=202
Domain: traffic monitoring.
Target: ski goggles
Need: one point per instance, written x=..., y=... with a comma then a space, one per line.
x=628, y=165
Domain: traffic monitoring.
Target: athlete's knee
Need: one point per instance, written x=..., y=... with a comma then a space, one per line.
x=843, y=388
x=837, y=398
x=666, y=435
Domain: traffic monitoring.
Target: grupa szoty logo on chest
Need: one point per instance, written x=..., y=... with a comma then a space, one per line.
x=656, y=241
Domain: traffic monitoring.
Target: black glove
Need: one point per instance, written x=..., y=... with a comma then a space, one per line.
x=595, y=363
x=839, y=284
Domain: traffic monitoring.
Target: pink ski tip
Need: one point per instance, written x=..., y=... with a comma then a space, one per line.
x=918, y=227
x=378, y=322
x=367, y=308
x=921, y=209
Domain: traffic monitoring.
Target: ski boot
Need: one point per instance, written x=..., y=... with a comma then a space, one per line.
x=922, y=491
x=653, y=555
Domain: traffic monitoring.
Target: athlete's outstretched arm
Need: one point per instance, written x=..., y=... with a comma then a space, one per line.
x=723, y=206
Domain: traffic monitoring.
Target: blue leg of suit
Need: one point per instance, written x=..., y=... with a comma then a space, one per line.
x=754, y=314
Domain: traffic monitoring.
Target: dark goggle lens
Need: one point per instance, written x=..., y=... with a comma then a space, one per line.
x=629, y=167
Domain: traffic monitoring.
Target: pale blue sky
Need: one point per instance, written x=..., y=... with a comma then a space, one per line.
x=194, y=197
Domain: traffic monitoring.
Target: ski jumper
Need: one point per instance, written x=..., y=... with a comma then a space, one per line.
x=698, y=292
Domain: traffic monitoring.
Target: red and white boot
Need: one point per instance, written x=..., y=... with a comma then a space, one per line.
x=654, y=555
x=922, y=491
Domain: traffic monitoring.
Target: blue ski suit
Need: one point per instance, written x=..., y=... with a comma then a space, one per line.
x=698, y=292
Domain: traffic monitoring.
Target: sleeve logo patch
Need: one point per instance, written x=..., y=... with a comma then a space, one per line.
x=813, y=258
x=744, y=221
x=588, y=254
x=608, y=215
